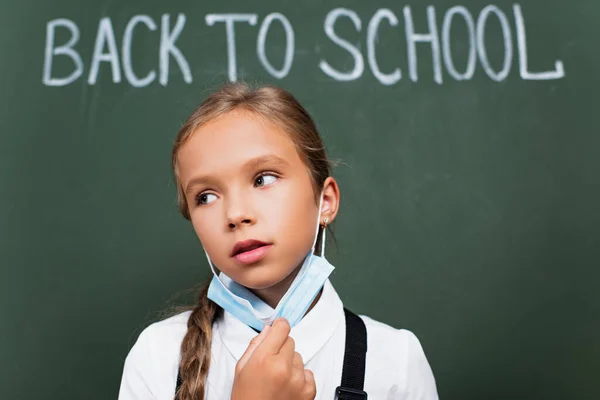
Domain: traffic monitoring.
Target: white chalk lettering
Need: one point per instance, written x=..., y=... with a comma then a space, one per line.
x=372, y=34
x=126, y=51
x=507, y=37
x=289, y=45
x=412, y=38
x=359, y=63
x=559, y=69
x=105, y=36
x=446, y=49
x=457, y=51
x=230, y=20
x=167, y=47
x=67, y=50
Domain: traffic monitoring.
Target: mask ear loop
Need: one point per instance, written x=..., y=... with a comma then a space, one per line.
x=212, y=268
x=324, y=226
x=314, y=245
x=324, y=231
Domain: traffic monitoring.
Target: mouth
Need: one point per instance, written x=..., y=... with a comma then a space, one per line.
x=250, y=251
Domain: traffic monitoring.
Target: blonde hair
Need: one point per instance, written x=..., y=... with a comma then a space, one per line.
x=276, y=106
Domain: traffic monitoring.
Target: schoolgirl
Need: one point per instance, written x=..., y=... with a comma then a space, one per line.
x=254, y=180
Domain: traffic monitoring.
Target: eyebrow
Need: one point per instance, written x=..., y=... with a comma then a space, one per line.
x=250, y=164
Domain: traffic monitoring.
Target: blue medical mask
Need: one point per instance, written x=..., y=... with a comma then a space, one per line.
x=252, y=311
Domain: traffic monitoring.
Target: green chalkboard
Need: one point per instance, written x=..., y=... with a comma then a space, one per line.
x=470, y=146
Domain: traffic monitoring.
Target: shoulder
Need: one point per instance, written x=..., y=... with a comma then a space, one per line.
x=175, y=325
x=151, y=366
x=399, y=359
x=399, y=339
x=163, y=338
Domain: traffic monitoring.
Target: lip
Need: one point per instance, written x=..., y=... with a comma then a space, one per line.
x=253, y=256
x=243, y=246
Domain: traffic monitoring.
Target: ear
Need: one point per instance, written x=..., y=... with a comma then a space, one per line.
x=331, y=200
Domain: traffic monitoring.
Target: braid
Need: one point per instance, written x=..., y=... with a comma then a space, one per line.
x=195, y=348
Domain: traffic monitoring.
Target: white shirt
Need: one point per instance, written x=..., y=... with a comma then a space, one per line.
x=396, y=367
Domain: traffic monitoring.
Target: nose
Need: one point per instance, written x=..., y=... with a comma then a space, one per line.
x=238, y=211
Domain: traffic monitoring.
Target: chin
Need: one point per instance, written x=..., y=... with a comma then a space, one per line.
x=259, y=278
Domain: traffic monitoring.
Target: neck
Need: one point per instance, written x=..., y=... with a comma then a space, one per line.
x=272, y=295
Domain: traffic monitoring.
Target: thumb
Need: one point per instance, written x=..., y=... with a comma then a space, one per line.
x=254, y=343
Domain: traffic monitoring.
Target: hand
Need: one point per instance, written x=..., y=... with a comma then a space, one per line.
x=271, y=369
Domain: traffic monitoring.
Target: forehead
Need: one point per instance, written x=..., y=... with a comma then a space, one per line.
x=225, y=143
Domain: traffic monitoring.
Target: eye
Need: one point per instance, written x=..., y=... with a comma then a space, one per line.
x=204, y=198
x=265, y=178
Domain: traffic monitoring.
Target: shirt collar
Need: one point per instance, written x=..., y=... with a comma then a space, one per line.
x=310, y=334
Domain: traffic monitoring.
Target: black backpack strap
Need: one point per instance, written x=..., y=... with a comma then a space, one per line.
x=355, y=355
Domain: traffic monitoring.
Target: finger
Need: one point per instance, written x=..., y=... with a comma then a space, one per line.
x=277, y=336
x=254, y=343
x=309, y=383
x=288, y=348
x=298, y=362
x=309, y=377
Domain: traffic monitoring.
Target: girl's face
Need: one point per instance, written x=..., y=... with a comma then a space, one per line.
x=244, y=179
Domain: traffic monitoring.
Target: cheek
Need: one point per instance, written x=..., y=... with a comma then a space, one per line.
x=204, y=231
x=298, y=220
x=199, y=232
x=209, y=230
